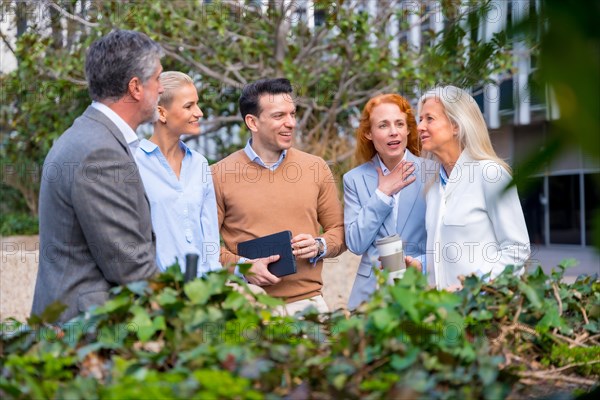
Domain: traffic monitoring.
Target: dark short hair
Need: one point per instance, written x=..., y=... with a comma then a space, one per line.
x=113, y=60
x=249, y=100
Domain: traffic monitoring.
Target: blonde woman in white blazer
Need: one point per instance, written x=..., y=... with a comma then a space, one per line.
x=474, y=225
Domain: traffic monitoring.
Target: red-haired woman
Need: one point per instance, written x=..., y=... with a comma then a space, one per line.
x=385, y=194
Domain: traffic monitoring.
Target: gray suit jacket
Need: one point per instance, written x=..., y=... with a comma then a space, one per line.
x=368, y=218
x=95, y=226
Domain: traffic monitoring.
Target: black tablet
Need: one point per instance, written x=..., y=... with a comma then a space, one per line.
x=277, y=243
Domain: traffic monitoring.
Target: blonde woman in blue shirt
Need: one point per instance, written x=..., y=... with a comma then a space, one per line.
x=178, y=180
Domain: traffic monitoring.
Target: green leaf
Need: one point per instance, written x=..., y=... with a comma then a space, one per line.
x=400, y=363
x=140, y=287
x=197, y=291
x=407, y=300
x=112, y=305
x=550, y=320
x=384, y=319
x=159, y=323
x=482, y=315
x=593, y=327
x=49, y=315
x=244, y=268
x=531, y=294
x=234, y=301
x=269, y=301
x=339, y=381
x=167, y=297
x=568, y=263
x=145, y=329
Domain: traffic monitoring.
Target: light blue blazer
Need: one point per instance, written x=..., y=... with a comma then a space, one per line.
x=368, y=218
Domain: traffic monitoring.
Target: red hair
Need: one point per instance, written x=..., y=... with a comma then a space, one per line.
x=365, y=150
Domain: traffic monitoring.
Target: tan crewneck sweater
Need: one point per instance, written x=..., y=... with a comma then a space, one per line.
x=300, y=196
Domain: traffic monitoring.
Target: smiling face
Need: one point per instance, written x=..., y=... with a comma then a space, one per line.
x=389, y=133
x=438, y=134
x=272, y=130
x=182, y=115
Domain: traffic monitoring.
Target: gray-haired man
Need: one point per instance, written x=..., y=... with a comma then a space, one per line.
x=95, y=226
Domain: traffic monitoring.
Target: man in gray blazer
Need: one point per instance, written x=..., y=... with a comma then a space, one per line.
x=95, y=226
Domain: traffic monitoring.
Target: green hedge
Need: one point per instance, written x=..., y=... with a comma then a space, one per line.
x=18, y=224
x=203, y=339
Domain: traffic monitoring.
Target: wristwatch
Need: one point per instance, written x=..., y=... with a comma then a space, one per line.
x=320, y=246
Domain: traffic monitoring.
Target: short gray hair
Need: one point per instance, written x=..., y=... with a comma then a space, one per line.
x=113, y=60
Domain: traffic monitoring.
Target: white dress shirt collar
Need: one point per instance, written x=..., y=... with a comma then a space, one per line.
x=128, y=133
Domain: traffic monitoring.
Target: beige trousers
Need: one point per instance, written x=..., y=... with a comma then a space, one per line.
x=301, y=305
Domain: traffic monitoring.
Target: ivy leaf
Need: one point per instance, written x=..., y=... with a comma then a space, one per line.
x=568, y=263
x=407, y=300
x=197, y=291
x=550, y=320
x=159, y=323
x=400, y=363
x=138, y=287
x=482, y=315
x=49, y=315
x=216, y=282
x=120, y=302
x=142, y=322
x=592, y=327
x=234, y=301
x=167, y=297
x=531, y=295
x=384, y=320
x=244, y=268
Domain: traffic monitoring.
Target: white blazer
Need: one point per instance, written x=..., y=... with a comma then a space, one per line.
x=473, y=225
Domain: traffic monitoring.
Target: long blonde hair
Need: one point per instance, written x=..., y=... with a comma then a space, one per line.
x=462, y=110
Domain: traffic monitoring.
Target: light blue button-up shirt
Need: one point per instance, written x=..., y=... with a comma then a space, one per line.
x=184, y=210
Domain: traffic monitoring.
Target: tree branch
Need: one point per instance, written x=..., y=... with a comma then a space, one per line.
x=558, y=377
x=201, y=67
x=70, y=16
x=5, y=40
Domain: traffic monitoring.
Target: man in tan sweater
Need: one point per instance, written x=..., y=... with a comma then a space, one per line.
x=270, y=187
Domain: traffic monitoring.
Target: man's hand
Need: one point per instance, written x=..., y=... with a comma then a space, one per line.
x=397, y=179
x=413, y=263
x=259, y=273
x=304, y=245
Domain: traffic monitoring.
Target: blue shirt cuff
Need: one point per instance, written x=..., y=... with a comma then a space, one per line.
x=236, y=271
x=314, y=260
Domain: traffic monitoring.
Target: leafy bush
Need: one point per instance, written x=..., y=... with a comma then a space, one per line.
x=21, y=223
x=205, y=339
x=15, y=216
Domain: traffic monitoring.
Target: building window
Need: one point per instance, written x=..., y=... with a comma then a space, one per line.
x=591, y=183
x=533, y=201
x=507, y=96
x=565, y=209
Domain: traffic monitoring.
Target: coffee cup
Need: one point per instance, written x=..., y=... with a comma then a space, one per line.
x=390, y=252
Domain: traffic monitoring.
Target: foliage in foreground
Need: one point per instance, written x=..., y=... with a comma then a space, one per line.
x=204, y=339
